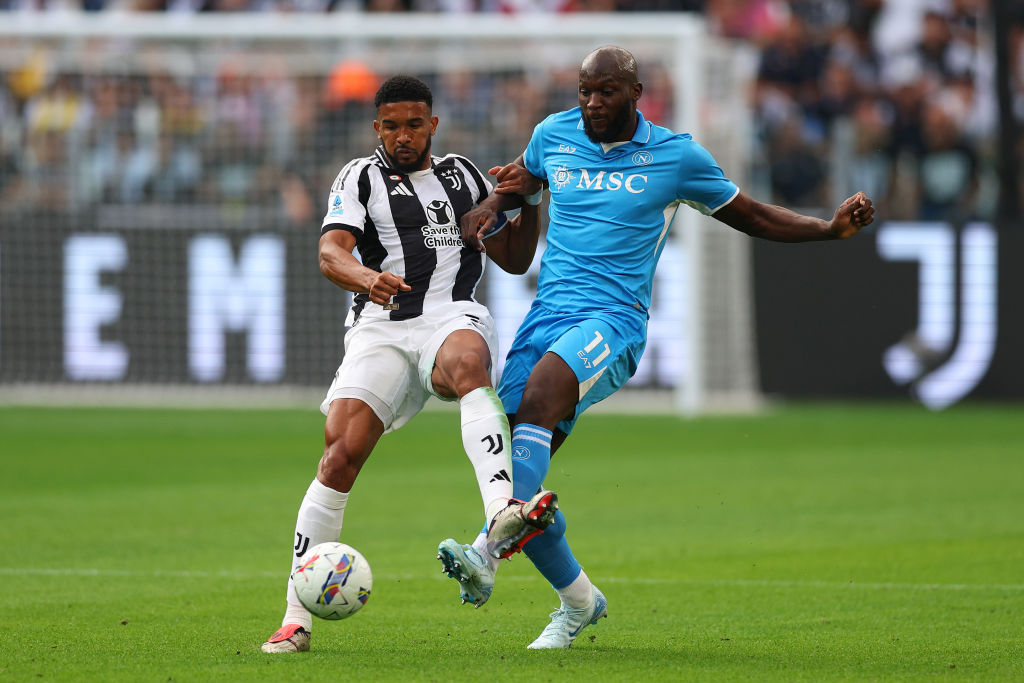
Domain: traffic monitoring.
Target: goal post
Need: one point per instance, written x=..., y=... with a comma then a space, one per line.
x=165, y=177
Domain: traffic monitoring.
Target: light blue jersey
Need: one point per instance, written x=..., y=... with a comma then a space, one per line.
x=610, y=210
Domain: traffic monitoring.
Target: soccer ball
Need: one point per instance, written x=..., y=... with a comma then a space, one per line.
x=333, y=580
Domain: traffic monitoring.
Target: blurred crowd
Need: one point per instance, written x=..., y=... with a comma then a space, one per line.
x=895, y=97
x=266, y=138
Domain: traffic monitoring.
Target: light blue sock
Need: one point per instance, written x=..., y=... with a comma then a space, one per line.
x=531, y=457
x=549, y=552
x=551, y=555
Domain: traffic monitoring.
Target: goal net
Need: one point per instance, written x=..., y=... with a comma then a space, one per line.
x=163, y=178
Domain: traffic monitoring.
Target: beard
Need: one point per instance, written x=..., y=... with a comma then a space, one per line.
x=413, y=166
x=614, y=131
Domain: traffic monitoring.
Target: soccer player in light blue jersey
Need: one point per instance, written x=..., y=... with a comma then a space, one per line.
x=615, y=181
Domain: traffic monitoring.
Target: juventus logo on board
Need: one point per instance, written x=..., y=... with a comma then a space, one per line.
x=401, y=190
x=495, y=444
x=951, y=350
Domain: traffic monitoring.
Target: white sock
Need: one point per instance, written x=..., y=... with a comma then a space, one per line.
x=319, y=520
x=577, y=594
x=485, y=436
x=481, y=547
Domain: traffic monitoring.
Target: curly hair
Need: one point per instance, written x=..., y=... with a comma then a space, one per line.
x=403, y=89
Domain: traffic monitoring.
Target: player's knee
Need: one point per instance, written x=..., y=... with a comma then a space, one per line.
x=469, y=371
x=544, y=408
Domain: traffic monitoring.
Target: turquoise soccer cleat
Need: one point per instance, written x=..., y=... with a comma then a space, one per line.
x=464, y=563
x=566, y=624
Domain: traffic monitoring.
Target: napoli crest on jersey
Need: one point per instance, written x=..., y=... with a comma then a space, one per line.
x=643, y=158
x=562, y=177
x=440, y=212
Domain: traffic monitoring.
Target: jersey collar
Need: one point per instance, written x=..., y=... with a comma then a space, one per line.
x=384, y=160
x=643, y=129
x=382, y=156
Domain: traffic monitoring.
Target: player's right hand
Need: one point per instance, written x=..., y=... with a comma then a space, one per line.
x=515, y=179
x=852, y=215
x=482, y=220
x=385, y=286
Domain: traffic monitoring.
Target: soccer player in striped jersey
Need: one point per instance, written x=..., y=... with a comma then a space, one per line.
x=415, y=329
x=615, y=182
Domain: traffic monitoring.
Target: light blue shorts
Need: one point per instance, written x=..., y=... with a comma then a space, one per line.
x=602, y=348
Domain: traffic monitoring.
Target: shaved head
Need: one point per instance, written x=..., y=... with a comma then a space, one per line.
x=608, y=92
x=610, y=61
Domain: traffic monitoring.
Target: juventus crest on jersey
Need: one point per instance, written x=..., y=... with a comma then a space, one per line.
x=408, y=224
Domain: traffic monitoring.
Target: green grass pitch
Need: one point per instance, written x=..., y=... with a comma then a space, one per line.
x=839, y=542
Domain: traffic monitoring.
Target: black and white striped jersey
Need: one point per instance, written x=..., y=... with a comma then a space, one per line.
x=408, y=224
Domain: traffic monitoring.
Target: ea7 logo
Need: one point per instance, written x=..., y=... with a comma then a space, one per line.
x=938, y=372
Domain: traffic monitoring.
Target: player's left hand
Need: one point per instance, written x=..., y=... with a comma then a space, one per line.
x=476, y=224
x=852, y=215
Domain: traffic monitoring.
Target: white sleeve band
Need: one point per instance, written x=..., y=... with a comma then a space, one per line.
x=534, y=199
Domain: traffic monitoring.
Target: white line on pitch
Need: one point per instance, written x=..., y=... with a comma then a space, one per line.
x=767, y=583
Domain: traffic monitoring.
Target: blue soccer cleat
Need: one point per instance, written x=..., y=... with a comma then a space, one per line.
x=470, y=568
x=566, y=624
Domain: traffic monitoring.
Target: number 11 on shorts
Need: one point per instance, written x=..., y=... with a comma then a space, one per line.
x=584, y=353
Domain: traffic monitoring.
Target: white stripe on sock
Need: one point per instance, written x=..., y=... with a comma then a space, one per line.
x=536, y=433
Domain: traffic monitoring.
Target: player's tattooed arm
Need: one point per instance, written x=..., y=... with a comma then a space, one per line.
x=340, y=266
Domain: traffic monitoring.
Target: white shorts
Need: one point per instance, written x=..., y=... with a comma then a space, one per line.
x=388, y=363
